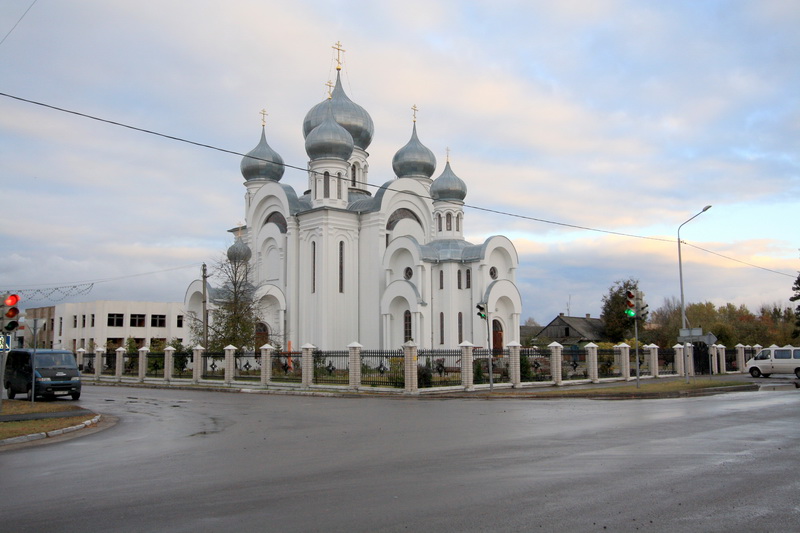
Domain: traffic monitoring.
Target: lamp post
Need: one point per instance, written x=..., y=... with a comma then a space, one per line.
x=680, y=273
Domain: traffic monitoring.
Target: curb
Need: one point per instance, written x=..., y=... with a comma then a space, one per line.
x=49, y=434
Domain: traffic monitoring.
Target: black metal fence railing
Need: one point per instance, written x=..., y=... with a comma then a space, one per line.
x=731, y=364
x=573, y=365
x=109, y=362
x=480, y=367
x=534, y=364
x=332, y=368
x=608, y=364
x=180, y=365
x=88, y=363
x=382, y=368
x=438, y=368
x=287, y=367
x=246, y=366
x=212, y=366
x=155, y=365
x=666, y=361
x=130, y=364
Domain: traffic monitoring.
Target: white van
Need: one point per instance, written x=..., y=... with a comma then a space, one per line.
x=774, y=360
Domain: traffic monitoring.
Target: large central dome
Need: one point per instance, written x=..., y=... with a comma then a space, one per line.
x=347, y=113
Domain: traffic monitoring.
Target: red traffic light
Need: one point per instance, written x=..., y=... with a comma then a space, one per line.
x=12, y=312
x=11, y=299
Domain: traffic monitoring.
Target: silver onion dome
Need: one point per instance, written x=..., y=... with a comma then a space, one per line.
x=347, y=113
x=262, y=162
x=239, y=252
x=414, y=160
x=329, y=140
x=448, y=186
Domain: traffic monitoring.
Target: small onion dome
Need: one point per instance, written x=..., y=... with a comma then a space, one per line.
x=262, y=162
x=239, y=252
x=448, y=186
x=414, y=160
x=347, y=113
x=329, y=140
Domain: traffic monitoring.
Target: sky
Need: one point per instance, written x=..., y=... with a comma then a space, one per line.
x=587, y=132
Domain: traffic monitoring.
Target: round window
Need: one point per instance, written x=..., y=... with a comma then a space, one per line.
x=493, y=273
x=407, y=273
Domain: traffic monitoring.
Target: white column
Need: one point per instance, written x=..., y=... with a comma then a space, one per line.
x=591, y=362
x=555, y=362
x=230, y=352
x=680, y=360
x=410, y=359
x=307, y=365
x=169, y=357
x=653, y=348
x=98, y=361
x=120, y=363
x=625, y=361
x=266, y=364
x=354, y=352
x=197, y=363
x=467, y=372
x=513, y=360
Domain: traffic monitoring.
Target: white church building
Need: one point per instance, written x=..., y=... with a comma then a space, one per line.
x=345, y=262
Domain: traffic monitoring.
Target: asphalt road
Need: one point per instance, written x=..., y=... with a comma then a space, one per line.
x=194, y=461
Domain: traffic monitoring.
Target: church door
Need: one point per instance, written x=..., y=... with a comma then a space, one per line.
x=497, y=337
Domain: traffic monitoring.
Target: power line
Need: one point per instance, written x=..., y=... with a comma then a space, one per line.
x=17, y=23
x=478, y=208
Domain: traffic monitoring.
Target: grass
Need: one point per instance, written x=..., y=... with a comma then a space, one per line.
x=646, y=388
x=28, y=427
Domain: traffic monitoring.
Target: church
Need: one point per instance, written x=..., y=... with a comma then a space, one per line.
x=346, y=261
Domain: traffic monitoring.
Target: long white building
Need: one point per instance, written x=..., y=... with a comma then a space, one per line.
x=106, y=323
x=346, y=261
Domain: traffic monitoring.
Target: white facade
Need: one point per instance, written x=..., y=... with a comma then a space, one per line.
x=346, y=262
x=90, y=324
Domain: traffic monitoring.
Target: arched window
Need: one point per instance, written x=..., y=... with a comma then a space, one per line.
x=449, y=222
x=439, y=221
x=406, y=326
x=341, y=266
x=458, y=222
x=339, y=186
x=262, y=334
x=441, y=328
x=353, y=178
x=326, y=185
x=469, y=278
x=441, y=279
x=277, y=219
x=458, y=279
x=313, y=267
x=460, y=328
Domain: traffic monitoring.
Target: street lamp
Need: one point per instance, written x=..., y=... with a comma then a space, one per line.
x=680, y=273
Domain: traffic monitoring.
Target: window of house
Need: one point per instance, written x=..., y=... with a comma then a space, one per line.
x=74, y=321
x=469, y=278
x=449, y=222
x=458, y=279
x=92, y=322
x=460, y=328
x=115, y=320
x=407, y=326
x=61, y=325
x=339, y=186
x=158, y=321
x=441, y=328
x=326, y=185
x=83, y=321
x=137, y=321
x=439, y=221
x=180, y=321
x=441, y=279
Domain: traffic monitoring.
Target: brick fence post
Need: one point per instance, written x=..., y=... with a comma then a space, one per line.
x=591, y=362
x=266, y=364
x=410, y=360
x=119, y=363
x=197, y=363
x=513, y=360
x=680, y=360
x=740, y=357
x=555, y=362
x=169, y=363
x=98, y=361
x=467, y=376
x=653, y=349
x=625, y=360
x=307, y=365
x=354, y=362
x=143, y=362
x=230, y=352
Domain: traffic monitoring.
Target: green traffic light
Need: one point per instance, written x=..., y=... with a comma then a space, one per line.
x=630, y=312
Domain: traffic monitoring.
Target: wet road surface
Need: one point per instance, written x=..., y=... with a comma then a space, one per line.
x=205, y=461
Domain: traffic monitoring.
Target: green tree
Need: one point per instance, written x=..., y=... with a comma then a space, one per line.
x=234, y=313
x=795, y=298
x=617, y=325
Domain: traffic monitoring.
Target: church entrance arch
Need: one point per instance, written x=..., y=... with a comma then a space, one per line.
x=497, y=336
x=262, y=335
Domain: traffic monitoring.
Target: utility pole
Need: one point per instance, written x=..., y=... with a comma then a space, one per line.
x=205, y=307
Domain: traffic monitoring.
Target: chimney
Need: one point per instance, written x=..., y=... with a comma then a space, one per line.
x=588, y=315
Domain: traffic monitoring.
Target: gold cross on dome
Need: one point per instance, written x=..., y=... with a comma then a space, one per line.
x=414, y=110
x=329, y=85
x=448, y=153
x=263, y=114
x=339, y=50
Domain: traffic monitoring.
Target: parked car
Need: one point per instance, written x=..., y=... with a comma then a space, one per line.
x=775, y=360
x=55, y=372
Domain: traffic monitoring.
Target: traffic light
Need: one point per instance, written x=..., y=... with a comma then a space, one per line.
x=10, y=312
x=481, y=311
x=641, y=307
x=630, y=303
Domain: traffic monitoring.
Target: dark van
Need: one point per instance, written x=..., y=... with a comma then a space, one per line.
x=55, y=372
